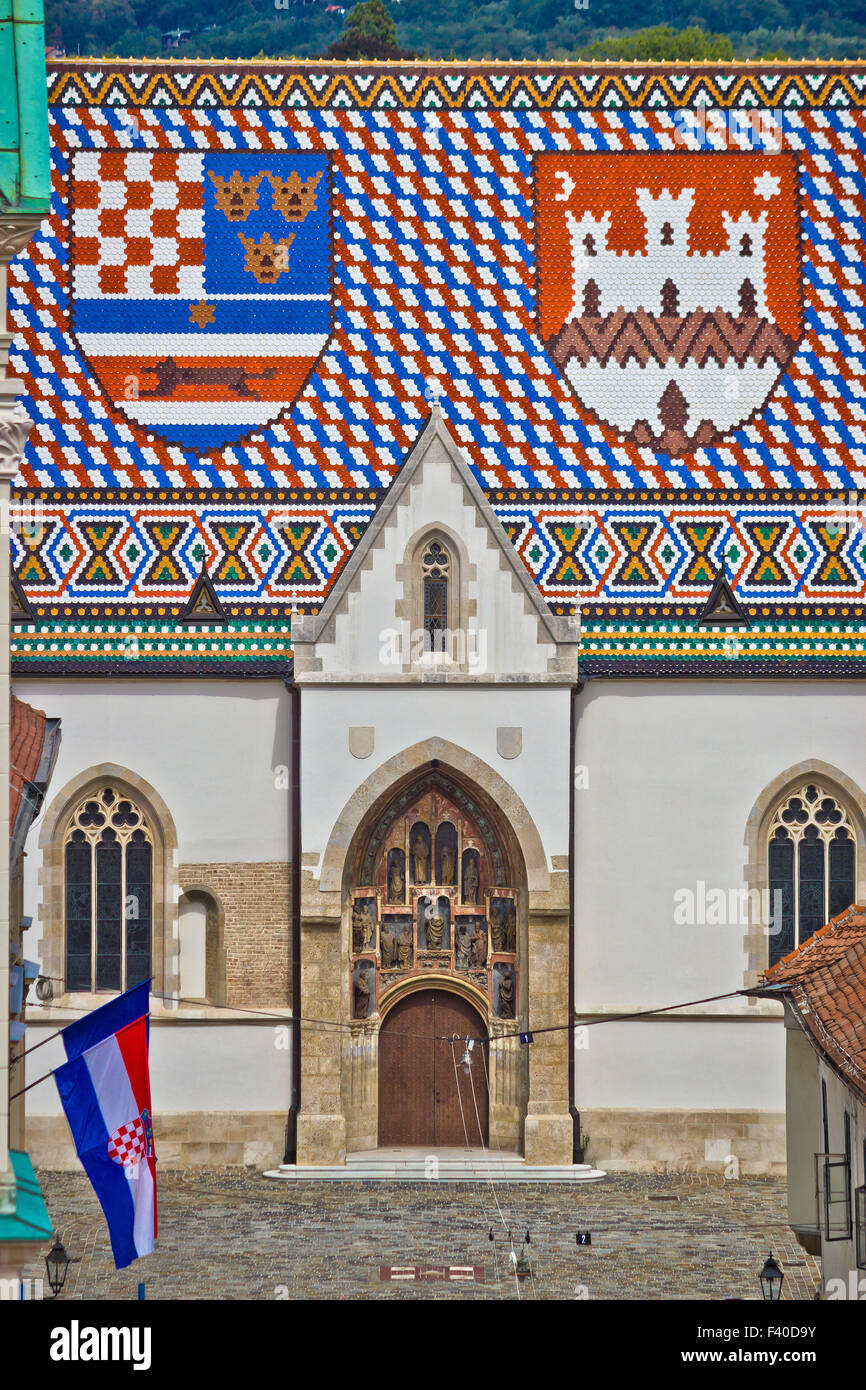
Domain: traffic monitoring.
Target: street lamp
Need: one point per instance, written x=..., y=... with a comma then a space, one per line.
x=771, y=1279
x=57, y=1263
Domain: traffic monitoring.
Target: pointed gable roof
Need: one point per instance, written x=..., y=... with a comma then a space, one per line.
x=557, y=631
x=203, y=605
x=722, y=608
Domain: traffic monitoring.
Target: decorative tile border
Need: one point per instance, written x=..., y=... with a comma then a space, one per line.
x=616, y=553
x=509, y=86
x=136, y=649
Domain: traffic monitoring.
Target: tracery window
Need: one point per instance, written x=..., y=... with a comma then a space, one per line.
x=436, y=573
x=108, y=853
x=812, y=865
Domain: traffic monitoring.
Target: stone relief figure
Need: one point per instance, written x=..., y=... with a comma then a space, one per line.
x=420, y=857
x=498, y=925
x=463, y=948
x=404, y=949
x=435, y=928
x=511, y=930
x=388, y=946
x=478, y=945
x=506, y=996
x=362, y=993
x=470, y=881
x=363, y=927
x=395, y=880
x=357, y=928
x=448, y=859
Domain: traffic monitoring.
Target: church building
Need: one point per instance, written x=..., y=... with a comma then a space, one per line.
x=441, y=537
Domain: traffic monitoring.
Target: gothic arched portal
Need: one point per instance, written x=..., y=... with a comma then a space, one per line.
x=436, y=926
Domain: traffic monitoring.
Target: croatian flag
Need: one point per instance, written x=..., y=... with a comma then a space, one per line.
x=105, y=1092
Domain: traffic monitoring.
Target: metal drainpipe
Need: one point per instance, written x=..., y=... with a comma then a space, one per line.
x=576, y=1155
x=291, y=1154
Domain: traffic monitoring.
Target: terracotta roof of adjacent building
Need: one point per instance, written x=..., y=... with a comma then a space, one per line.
x=824, y=980
x=26, y=742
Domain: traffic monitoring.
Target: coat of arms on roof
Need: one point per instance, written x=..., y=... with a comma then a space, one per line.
x=656, y=300
x=201, y=285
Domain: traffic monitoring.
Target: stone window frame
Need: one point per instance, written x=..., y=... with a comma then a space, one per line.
x=410, y=607
x=851, y=799
x=165, y=960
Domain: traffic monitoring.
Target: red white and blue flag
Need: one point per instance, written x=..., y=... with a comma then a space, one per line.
x=105, y=1091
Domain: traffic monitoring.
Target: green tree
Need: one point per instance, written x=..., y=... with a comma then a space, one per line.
x=370, y=32
x=664, y=44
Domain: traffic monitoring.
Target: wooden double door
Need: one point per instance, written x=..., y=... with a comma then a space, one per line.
x=421, y=1100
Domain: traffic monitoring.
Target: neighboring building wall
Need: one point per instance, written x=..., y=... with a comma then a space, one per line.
x=839, y=1257
x=804, y=1133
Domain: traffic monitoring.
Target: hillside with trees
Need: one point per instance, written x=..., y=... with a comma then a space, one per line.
x=464, y=28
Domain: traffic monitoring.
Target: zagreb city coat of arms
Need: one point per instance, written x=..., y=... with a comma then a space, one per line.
x=200, y=285
x=655, y=297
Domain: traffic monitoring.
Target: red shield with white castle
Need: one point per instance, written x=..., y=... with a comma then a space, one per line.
x=669, y=288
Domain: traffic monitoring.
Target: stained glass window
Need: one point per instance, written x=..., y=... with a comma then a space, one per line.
x=811, y=867
x=108, y=894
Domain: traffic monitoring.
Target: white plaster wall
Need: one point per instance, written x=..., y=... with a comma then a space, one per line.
x=682, y=1065
x=208, y=747
x=508, y=634
x=674, y=771
x=466, y=717
x=193, y=1066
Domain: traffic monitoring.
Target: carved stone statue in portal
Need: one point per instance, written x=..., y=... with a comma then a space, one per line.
x=363, y=988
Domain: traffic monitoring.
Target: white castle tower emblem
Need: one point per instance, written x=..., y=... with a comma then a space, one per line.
x=637, y=280
x=672, y=346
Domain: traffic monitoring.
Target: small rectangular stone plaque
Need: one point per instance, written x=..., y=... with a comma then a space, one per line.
x=430, y=1274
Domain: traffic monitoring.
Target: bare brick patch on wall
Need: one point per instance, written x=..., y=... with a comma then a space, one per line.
x=255, y=928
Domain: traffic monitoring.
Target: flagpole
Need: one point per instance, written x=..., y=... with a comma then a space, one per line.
x=31, y=1085
x=28, y=1050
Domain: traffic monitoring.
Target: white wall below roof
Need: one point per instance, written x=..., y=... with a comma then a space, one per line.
x=694, y=1065
x=674, y=772
x=208, y=1066
x=466, y=717
x=208, y=747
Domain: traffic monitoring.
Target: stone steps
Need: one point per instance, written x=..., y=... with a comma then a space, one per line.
x=451, y=1166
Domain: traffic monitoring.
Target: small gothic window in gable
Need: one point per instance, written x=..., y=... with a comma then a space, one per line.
x=436, y=571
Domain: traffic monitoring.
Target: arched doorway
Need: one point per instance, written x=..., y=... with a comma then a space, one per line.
x=426, y=1098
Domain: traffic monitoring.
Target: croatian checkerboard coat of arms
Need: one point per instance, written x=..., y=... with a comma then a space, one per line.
x=655, y=298
x=200, y=285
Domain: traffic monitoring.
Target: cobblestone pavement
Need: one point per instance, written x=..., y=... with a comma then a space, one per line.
x=230, y=1234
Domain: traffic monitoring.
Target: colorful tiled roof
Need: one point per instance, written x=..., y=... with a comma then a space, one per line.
x=637, y=291
x=825, y=980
